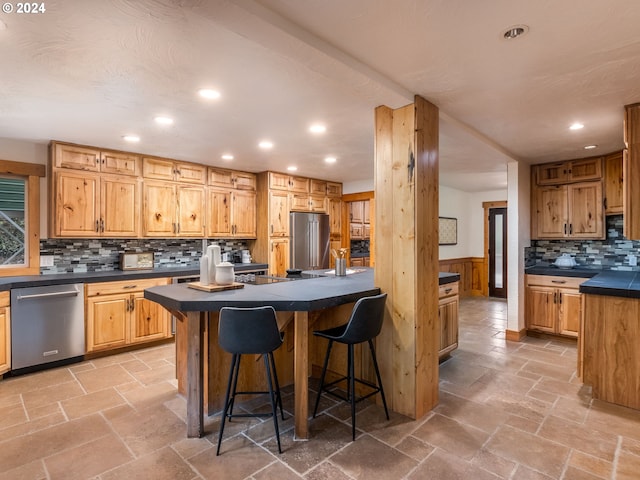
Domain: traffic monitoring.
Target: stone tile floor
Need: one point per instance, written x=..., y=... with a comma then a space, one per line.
x=507, y=411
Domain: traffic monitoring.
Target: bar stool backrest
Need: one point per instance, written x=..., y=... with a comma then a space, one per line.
x=248, y=330
x=366, y=319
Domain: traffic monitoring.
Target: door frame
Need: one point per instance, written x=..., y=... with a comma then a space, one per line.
x=497, y=292
x=485, y=274
x=346, y=231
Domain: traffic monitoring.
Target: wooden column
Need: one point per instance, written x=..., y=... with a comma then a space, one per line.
x=406, y=249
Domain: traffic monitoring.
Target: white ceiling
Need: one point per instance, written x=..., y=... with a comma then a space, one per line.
x=91, y=71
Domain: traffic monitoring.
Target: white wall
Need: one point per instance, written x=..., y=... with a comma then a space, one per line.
x=476, y=229
x=29, y=152
x=357, y=187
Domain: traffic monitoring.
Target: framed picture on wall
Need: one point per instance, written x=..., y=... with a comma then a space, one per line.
x=448, y=230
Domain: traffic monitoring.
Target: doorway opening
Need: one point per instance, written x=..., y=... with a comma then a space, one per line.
x=497, y=252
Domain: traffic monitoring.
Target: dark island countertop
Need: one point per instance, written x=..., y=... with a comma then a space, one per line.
x=7, y=283
x=446, y=277
x=305, y=294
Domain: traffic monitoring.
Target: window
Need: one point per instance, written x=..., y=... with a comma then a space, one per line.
x=20, y=218
x=13, y=235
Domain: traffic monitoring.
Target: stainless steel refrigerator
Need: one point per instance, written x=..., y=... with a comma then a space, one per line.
x=309, y=240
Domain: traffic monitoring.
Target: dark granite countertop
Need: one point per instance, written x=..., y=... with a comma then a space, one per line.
x=581, y=272
x=7, y=283
x=446, y=277
x=299, y=295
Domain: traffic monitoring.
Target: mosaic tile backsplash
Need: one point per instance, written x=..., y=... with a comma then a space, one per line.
x=86, y=255
x=609, y=254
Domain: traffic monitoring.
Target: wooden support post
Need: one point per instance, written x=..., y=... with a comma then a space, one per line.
x=406, y=249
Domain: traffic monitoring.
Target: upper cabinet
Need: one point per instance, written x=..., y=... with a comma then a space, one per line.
x=231, y=204
x=631, y=172
x=219, y=177
x=171, y=210
x=282, y=181
x=613, y=184
x=567, y=200
x=570, y=171
x=172, y=170
x=105, y=161
x=359, y=227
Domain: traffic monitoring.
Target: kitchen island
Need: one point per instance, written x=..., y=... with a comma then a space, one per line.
x=192, y=307
x=611, y=335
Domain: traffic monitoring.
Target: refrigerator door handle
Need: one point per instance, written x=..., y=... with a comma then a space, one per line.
x=313, y=247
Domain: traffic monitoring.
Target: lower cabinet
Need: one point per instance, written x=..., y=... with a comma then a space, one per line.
x=119, y=315
x=553, y=304
x=448, y=314
x=278, y=256
x=5, y=333
x=360, y=261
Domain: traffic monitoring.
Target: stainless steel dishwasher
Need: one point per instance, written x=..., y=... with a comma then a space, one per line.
x=47, y=325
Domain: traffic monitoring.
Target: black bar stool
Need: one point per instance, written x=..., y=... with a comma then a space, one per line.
x=252, y=331
x=364, y=325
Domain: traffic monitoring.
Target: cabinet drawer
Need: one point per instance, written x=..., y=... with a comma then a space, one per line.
x=125, y=286
x=4, y=299
x=448, y=290
x=555, y=281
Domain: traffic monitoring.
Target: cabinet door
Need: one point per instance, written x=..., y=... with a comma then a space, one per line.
x=278, y=256
x=79, y=158
x=299, y=203
x=191, y=212
x=366, y=231
x=76, y=204
x=541, y=308
x=552, y=173
x=148, y=320
x=356, y=231
x=357, y=262
x=356, y=212
x=278, y=181
x=120, y=163
x=119, y=207
x=219, y=177
x=365, y=212
x=318, y=187
x=299, y=185
x=586, y=215
x=107, y=322
x=219, y=219
x=158, y=168
x=613, y=183
x=552, y=212
x=334, y=189
x=159, y=210
x=244, y=214
x=190, y=173
x=569, y=311
x=587, y=169
x=317, y=204
x=244, y=181
x=279, y=214
x=448, y=315
x=335, y=217
x=5, y=340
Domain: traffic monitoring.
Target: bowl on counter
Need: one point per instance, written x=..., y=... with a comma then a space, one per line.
x=565, y=262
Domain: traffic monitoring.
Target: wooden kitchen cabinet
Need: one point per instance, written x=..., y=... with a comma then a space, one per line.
x=568, y=211
x=571, y=171
x=5, y=333
x=278, y=256
x=357, y=261
x=279, y=214
x=334, y=189
x=232, y=214
x=93, y=205
x=448, y=309
x=356, y=212
x=282, y=181
x=307, y=203
x=318, y=187
x=118, y=314
x=233, y=179
x=553, y=304
x=78, y=157
x=172, y=210
x=335, y=216
x=172, y=170
x=613, y=184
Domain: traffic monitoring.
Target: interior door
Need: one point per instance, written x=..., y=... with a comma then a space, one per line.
x=498, y=252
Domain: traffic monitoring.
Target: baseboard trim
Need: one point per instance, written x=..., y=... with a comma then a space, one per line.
x=515, y=335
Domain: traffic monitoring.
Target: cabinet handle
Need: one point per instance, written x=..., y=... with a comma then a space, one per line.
x=102, y=225
x=272, y=229
x=558, y=281
x=132, y=302
x=178, y=227
x=560, y=298
x=128, y=287
x=448, y=290
x=570, y=228
x=97, y=225
x=555, y=297
x=565, y=228
x=604, y=203
x=174, y=227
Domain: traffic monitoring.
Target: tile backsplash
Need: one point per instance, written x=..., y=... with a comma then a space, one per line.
x=87, y=255
x=609, y=254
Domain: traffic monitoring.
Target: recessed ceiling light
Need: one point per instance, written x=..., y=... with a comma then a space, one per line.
x=227, y=156
x=514, y=31
x=209, y=93
x=576, y=126
x=292, y=168
x=330, y=159
x=590, y=147
x=162, y=120
x=317, y=128
x=131, y=138
x=265, y=144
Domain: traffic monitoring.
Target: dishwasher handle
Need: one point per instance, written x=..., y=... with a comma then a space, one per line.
x=68, y=293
